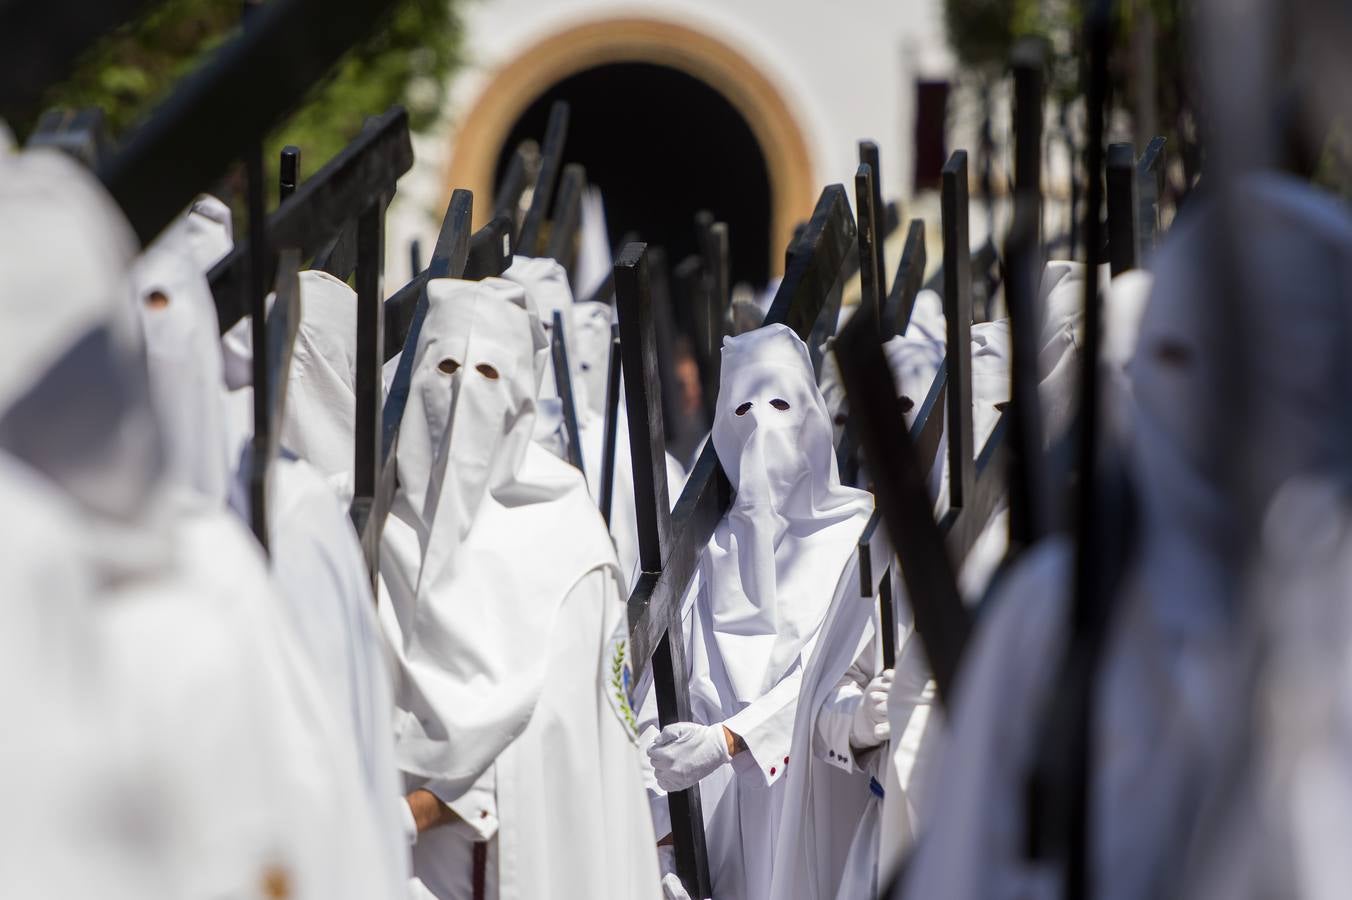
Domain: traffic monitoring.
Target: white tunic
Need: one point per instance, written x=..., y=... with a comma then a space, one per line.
x=507, y=624
x=753, y=613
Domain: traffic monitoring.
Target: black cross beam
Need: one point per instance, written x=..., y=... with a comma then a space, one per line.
x=563, y=383
x=377, y=426
x=1058, y=822
x=41, y=41
x=875, y=580
x=708, y=304
x=671, y=542
x=605, y=291
x=567, y=217
x=607, y=492
x=490, y=249
x=237, y=96
x=362, y=173
x=869, y=156
x=556, y=134
x=280, y=329
x=872, y=287
x=903, y=499
x=958, y=321
x=288, y=172
x=490, y=253
x=339, y=257
x=900, y=305
x=1149, y=188
x=523, y=167
x=930, y=552
x=79, y=133
x=1123, y=206
x=1029, y=504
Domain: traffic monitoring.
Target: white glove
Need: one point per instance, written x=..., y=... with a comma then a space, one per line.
x=685, y=752
x=870, y=726
x=672, y=889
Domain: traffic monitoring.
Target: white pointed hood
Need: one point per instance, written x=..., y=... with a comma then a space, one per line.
x=321, y=398
x=773, y=563
x=1297, y=388
x=183, y=350
x=504, y=530
x=590, y=337
x=546, y=284
x=210, y=232
x=74, y=402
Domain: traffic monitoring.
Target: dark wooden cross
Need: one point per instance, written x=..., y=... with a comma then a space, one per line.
x=280, y=327
x=1057, y=818
x=929, y=552
x=567, y=217
x=671, y=542
x=1030, y=514
x=1133, y=203
x=521, y=170
x=563, y=383
x=361, y=174
x=80, y=133
x=556, y=134
x=1149, y=188
x=377, y=424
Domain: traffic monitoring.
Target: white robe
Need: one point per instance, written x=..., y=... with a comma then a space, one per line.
x=547, y=807
x=850, y=655
x=224, y=780
x=315, y=556
x=63, y=791
x=322, y=580
x=750, y=634
x=263, y=790
x=507, y=625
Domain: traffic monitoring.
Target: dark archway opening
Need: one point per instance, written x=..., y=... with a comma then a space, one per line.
x=662, y=145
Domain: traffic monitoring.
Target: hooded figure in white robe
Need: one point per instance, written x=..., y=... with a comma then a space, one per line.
x=316, y=558
x=753, y=612
x=508, y=626
x=1165, y=688
x=587, y=338
x=243, y=801
x=64, y=819
x=880, y=726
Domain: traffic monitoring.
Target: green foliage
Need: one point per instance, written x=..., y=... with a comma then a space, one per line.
x=409, y=62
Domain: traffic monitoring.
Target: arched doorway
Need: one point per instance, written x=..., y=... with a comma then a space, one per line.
x=662, y=145
x=715, y=79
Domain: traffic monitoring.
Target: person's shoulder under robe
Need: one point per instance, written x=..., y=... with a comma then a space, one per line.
x=68, y=802
x=563, y=808
x=973, y=846
x=320, y=574
x=828, y=799
x=742, y=801
x=210, y=686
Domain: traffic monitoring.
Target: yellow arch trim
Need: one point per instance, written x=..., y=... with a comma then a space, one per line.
x=515, y=85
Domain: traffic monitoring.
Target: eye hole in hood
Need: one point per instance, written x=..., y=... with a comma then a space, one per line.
x=487, y=371
x=742, y=410
x=448, y=366
x=779, y=404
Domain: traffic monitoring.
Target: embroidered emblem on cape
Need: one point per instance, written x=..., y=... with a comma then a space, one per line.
x=619, y=681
